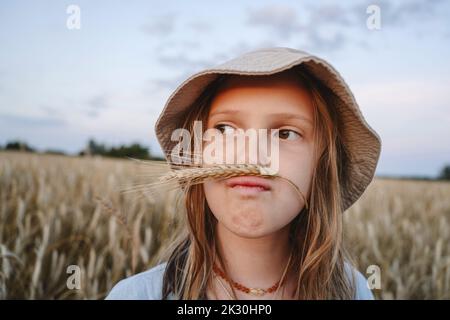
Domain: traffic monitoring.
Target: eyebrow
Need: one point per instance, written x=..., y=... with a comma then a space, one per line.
x=282, y=115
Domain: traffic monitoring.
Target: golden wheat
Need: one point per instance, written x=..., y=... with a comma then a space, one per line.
x=58, y=211
x=192, y=175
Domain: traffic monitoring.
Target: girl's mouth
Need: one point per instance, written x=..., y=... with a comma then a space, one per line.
x=248, y=185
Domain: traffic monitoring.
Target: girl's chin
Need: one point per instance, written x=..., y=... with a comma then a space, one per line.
x=249, y=233
x=248, y=222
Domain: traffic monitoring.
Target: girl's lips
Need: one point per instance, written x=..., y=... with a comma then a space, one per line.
x=249, y=182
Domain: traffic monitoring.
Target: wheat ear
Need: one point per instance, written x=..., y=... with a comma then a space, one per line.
x=193, y=175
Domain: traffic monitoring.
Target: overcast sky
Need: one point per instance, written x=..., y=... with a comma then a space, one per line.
x=110, y=79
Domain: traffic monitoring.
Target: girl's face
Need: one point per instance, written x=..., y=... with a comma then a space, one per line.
x=274, y=102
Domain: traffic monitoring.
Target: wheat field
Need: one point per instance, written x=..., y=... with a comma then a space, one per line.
x=58, y=211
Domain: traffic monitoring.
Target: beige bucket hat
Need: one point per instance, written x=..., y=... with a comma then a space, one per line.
x=362, y=142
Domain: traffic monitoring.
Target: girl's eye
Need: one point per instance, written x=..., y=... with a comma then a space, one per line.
x=286, y=134
x=224, y=128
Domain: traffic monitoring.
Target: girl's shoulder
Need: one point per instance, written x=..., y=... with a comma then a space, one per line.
x=362, y=291
x=146, y=285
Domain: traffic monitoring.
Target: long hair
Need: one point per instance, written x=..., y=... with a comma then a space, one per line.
x=316, y=234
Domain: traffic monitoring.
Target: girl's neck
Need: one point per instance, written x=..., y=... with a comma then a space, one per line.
x=254, y=262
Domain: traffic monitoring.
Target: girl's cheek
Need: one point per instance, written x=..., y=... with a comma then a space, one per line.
x=297, y=167
x=214, y=193
x=210, y=187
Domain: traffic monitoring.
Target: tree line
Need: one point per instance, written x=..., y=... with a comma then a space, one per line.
x=93, y=148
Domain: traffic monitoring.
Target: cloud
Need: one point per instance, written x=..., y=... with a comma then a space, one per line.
x=328, y=27
x=190, y=45
x=281, y=19
x=319, y=42
x=96, y=104
x=201, y=26
x=49, y=110
x=407, y=11
x=30, y=121
x=332, y=14
x=243, y=46
x=181, y=60
x=161, y=26
x=186, y=67
x=169, y=83
x=322, y=28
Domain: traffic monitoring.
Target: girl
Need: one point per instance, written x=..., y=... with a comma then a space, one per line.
x=256, y=238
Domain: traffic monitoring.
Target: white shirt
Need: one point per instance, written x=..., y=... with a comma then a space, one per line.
x=147, y=285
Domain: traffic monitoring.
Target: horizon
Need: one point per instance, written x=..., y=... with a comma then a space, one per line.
x=50, y=151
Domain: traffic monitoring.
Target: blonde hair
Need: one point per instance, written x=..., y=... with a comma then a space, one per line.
x=316, y=234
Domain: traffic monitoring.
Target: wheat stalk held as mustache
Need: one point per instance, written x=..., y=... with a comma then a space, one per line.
x=192, y=175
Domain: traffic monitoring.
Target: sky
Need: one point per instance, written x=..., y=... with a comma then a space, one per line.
x=110, y=78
